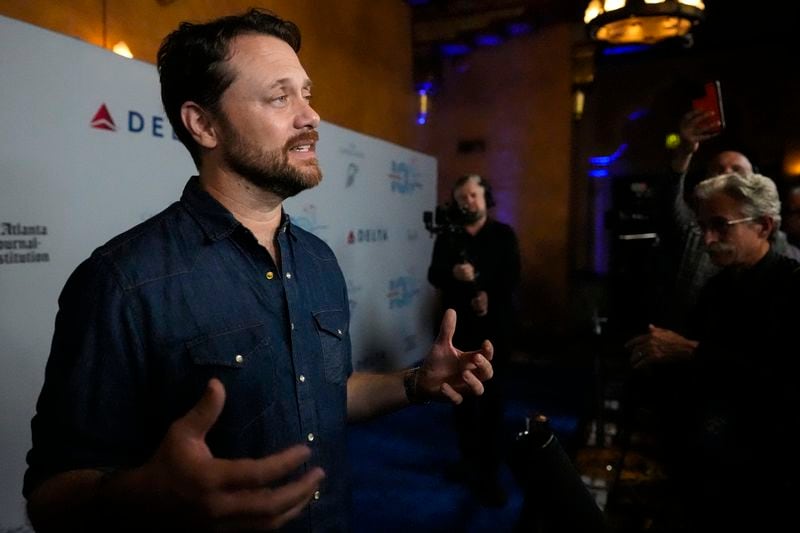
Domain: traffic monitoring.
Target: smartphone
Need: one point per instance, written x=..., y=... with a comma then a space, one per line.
x=711, y=101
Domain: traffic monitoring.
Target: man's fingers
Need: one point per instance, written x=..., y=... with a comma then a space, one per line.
x=487, y=349
x=238, y=474
x=633, y=346
x=480, y=366
x=475, y=384
x=485, y=369
x=270, y=507
x=640, y=360
x=200, y=418
x=451, y=393
x=636, y=341
x=249, y=497
x=447, y=328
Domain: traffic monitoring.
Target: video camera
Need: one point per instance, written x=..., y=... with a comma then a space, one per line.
x=448, y=218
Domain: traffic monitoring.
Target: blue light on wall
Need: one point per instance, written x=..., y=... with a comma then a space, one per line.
x=488, y=39
x=426, y=86
x=605, y=160
x=422, y=114
x=602, y=203
x=598, y=173
x=625, y=49
x=454, y=49
x=639, y=113
x=516, y=29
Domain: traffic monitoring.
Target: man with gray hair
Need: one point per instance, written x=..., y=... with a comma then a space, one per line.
x=693, y=267
x=734, y=401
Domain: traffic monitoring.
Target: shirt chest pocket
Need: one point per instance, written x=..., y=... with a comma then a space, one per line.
x=242, y=359
x=331, y=328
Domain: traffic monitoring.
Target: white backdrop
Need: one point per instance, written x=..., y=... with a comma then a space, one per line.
x=86, y=151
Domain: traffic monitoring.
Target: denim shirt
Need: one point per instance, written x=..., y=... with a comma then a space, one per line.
x=187, y=295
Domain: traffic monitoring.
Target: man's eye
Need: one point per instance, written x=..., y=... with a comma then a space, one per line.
x=280, y=99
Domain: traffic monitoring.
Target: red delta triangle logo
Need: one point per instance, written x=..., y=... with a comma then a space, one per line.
x=102, y=119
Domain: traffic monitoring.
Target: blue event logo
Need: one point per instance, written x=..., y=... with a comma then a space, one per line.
x=352, y=170
x=353, y=289
x=404, y=177
x=351, y=150
x=137, y=122
x=402, y=291
x=308, y=221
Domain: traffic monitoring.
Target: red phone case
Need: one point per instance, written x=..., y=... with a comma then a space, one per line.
x=711, y=101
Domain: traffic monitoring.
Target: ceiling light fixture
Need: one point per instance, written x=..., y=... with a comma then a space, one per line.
x=121, y=48
x=641, y=21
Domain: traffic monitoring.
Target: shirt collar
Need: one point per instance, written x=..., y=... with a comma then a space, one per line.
x=212, y=217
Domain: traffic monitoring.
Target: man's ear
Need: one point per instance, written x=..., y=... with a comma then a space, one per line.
x=198, y=123
x=768, y=223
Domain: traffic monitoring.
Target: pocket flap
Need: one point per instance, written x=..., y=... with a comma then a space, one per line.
x=332, y=322
x=229, y=348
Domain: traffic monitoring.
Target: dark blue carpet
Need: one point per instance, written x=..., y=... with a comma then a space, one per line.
x=399, y=462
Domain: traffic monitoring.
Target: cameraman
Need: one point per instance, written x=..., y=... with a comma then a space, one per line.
x=476, y=266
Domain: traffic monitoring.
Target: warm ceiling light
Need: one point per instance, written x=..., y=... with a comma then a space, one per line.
x=641, y=21
x=121, y=48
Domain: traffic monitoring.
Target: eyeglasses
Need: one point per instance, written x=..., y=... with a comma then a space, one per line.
x=721, y=225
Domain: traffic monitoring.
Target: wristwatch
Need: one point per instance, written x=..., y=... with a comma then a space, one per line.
x=410, y=385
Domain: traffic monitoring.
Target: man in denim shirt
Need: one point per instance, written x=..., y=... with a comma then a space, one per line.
x=200, y=374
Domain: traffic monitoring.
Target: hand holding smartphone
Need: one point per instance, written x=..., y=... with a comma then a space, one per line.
x=711, y=102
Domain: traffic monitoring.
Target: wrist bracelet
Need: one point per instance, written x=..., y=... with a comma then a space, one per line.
x=410, y=385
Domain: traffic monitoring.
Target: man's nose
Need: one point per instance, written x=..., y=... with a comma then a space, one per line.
x=710, y=236
x=307, y=117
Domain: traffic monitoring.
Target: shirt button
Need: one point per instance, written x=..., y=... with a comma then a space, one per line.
x=239, y=358
x=292, y=326
x=302, y=378
x=339, y=331
x=316, y=495
x=310, y=437
x=270, y=275
x=288, y=275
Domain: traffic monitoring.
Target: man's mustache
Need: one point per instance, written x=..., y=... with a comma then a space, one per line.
x=719, y=248
x=307, y=137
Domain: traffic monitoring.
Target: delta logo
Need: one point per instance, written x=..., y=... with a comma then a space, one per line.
x=102, y=119
x=404, y=177
x=155, y=125
x=367, y=235
x=402, y=291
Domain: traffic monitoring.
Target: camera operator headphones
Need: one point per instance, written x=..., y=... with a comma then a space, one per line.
x=487, y=188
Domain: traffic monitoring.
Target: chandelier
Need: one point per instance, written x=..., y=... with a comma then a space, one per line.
x=641, y=21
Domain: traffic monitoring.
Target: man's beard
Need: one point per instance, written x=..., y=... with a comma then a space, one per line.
x=270, y=170
x=470, y=217
x=720, y=253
